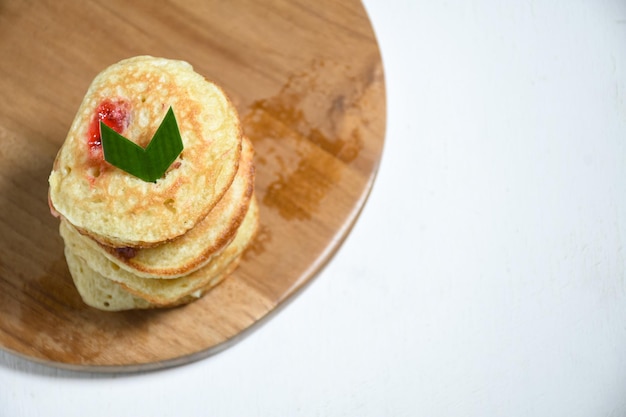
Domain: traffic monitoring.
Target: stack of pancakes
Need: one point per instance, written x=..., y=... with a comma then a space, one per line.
x=135, y=244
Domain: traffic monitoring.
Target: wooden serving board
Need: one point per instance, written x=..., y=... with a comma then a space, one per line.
x=308, y=82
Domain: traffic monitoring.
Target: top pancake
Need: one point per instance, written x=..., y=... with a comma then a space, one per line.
x=118, y=209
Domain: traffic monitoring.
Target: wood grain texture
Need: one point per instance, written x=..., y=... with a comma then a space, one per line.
x=308, y=82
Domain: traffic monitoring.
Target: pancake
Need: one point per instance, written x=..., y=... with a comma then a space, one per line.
x=118, y=209
x=157, y=292
x=195, y=248
x=97, y=291
x=102, y=293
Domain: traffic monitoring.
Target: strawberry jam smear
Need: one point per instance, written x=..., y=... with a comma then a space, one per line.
x=114, y=114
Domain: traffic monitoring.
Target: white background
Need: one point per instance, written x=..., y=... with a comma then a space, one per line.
x=485, y=276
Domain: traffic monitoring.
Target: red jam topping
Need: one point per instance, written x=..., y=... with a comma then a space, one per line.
x=126, y=252
x=113, y=114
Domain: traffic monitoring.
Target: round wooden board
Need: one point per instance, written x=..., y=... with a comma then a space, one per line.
x=308, y=82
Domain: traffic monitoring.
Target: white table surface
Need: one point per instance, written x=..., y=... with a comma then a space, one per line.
x=486, y=275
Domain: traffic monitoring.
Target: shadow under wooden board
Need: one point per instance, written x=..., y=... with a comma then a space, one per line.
x=307, y=80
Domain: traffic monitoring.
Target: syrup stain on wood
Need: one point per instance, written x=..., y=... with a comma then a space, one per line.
x=322, y=108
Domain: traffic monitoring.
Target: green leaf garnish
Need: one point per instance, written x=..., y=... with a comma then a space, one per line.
x=148, y=164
